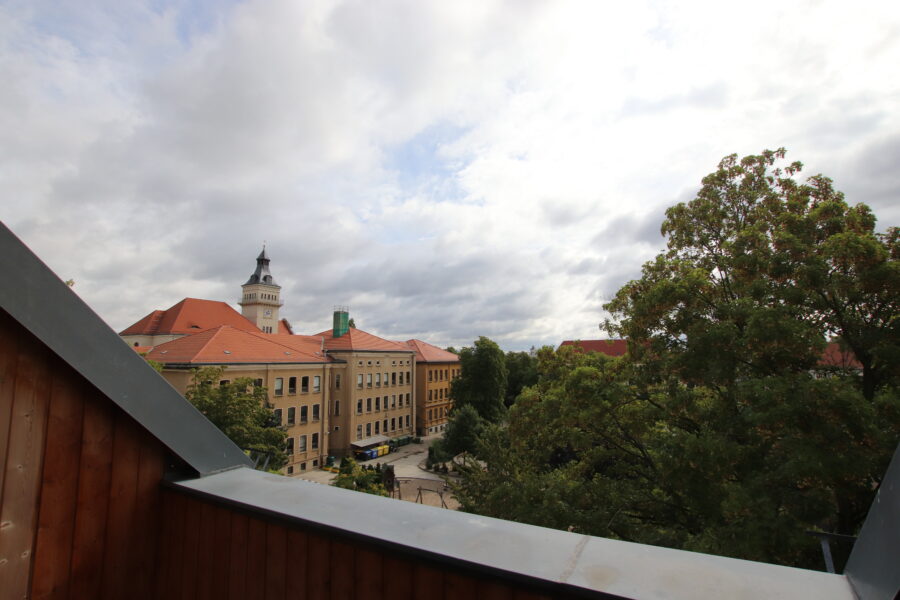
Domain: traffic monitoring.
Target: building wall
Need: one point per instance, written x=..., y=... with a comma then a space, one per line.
x=297, y=401
x=433, y=402
x=365, y=399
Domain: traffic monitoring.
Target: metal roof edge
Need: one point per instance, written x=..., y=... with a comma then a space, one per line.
x=54, y=314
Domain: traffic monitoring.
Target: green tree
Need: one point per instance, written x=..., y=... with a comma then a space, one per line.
x=482, y=380
x=241, y=410
x=351, y=476
x=463, y=430
x=718, y=432
x=522, y=373
x=352, y=323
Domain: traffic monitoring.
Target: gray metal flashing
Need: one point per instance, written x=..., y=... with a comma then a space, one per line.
x=546, y=559
x=54, y=314
x=874, y=564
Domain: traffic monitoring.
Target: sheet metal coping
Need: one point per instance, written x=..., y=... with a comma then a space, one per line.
x=548, y=560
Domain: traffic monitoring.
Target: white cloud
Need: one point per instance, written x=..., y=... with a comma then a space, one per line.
x=148, y=152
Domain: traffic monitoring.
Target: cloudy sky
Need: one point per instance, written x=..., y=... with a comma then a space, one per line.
x=447, y=169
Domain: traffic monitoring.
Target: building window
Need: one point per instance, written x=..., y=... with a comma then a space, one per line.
x=429, y=394
x=289, y=448
x=407, y=420
x=292, y=385
x=377, y=424
x=303, y=466
x=394, y=401
x=337, y=382
x=292, y=413
x=359, y=380
x=407, y=399
x=368, y=430
x=277, y=417
x=401, y=378
x=337, y=408
x=317, y=384
x=377, y=379
x=359, y=432
x=304, y=384
x=408, y=376
x=385, y=379
x=430, y=375
x=446, y=374
x=315, y=412
x=225, y=382
x=359, y=406
x=257, y=382
x=368, y=380
x=385, y=425
x=394, y=378
x=393, y=424
x=368, y=405
x=316, y=462
x=301, y=446
x=290, y=471
x=279, y=386
x=377, y=403
x=315, y=441
x=304, y=414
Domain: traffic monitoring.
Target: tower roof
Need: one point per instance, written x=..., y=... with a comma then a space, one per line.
x=262, y=274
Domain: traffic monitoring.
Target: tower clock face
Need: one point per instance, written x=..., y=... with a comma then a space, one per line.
x=268, y=312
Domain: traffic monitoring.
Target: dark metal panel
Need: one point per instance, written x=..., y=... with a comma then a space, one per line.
x=54, y=314
x=547, y=561
x=874, y=565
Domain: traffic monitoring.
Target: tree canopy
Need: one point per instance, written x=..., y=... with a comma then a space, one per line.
x=482, y=380
x=522, y=373
x=241, y=410
x=721, y=430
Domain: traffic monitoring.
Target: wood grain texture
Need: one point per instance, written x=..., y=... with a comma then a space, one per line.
x=428, y=583
x=24, y=457
x=297, y=564
x=318, y=569
x=342, y=570
x=256, y=560
x=237, y=556
x=56, y=519
x=369, y=575
x=92, y=501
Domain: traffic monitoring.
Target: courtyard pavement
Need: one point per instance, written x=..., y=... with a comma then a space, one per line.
x=416, y=484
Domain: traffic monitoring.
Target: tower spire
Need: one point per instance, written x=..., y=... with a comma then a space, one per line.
x=261, y=297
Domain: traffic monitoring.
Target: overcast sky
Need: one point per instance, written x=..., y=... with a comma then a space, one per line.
x=448, y=169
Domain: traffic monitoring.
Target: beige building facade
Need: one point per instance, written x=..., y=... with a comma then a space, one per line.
x=435, y=369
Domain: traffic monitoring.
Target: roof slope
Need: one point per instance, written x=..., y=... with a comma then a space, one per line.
x=607, y=347
x=191, y=315
x=426, y=352
x=55, y=315
x=836, y=356
x=357, y=339
x=224, y=344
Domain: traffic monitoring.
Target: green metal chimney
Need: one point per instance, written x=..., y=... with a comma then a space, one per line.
x=341, y=320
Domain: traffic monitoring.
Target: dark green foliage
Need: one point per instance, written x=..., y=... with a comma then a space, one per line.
x=720, y=432
x=352, y=323
x=463, y=429
x=482, y=380
x=362, y=479
x=522, y=373
x=240, y=410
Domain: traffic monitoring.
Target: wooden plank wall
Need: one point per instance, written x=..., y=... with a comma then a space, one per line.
x=213, y=551
x=79, y=482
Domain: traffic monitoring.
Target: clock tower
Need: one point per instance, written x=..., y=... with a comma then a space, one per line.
x=261, y=296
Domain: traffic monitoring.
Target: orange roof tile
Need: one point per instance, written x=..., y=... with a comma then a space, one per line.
x=357, y=339
x=191, y=315
x=225, y=344
x=608, y=347
x=426, y=352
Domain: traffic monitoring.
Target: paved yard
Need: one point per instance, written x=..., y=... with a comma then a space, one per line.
x=416, y=484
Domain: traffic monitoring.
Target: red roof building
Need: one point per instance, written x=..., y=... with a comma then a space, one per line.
x=187, y=317
x=435, y=369
x=607, y=347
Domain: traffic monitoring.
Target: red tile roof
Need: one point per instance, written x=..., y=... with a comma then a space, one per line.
x=608, y=347
x=835, y=356
x=191, y=315
x=225, y=344
x=426, y=352
x=357, y=339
